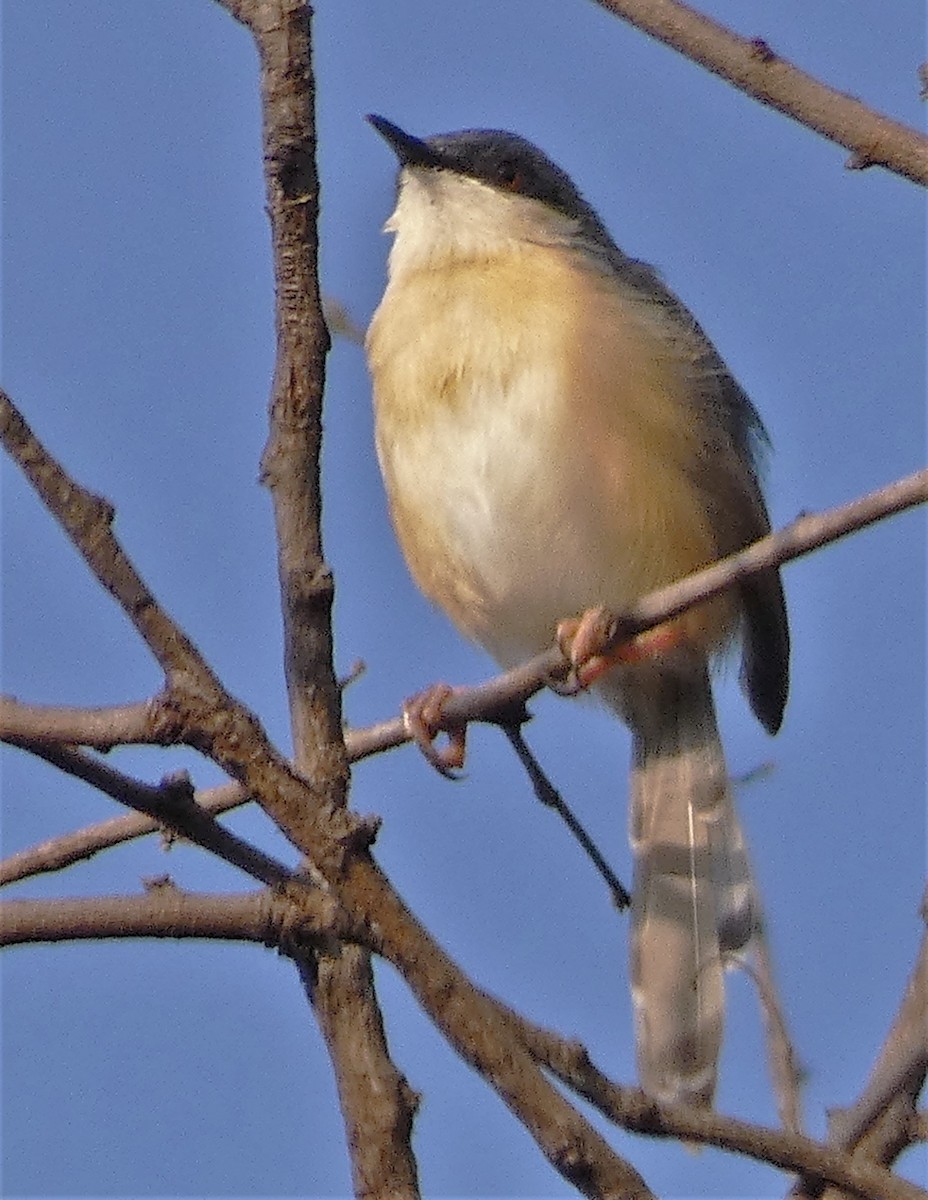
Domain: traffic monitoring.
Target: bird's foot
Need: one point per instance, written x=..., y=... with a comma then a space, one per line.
x=422, y=718
x=587, y=643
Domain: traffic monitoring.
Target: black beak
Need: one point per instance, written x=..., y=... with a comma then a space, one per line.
x=411, y=151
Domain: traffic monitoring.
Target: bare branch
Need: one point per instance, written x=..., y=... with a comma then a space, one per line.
x=148, y=722
x=485, y=701
x=60, y=852
x=902, y=1062
x=634, y=1110
x=546, y=793
x=172, y=805
x=375, y=1100
x=753, y=67
x=881, y=1123
x=378, y=1105
x=307, y=801
x=807, y=533
x=167, y=912
x=210, y=720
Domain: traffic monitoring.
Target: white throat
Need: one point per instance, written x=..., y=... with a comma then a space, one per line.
x=442, y=217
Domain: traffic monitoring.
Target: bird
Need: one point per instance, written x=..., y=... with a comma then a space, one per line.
x=558, y=435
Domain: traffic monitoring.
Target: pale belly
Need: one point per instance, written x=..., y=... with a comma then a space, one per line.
x=539, y=468
x=515, y=537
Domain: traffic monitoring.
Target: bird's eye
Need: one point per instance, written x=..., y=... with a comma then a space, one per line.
x=510, y=177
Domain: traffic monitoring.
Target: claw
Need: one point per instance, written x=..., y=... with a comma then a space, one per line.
x=422, y=716
x=585, y=642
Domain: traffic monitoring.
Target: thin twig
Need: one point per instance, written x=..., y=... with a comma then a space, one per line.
x=173, y=806
x=782, y=1061
x=879, y=1123
x=756, y=69
x=60, y=852
x=485, y=701
x=547, y=794
x=807, y=533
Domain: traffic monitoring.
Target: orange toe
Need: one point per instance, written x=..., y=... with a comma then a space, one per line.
x=586, y=642
x=422, y=717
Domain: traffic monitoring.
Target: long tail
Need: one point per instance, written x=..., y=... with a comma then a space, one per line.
x=693, y=900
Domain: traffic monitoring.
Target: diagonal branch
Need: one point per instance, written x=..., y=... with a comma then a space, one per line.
x=485, y=701
x=279, y=921
x=173, y=805
x=60, y=852
x=753, y=67
x=808, y=532
x=634, y=1110
x=880, y=1125
x=336, y=842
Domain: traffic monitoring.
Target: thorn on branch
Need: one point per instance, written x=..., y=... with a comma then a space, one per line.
x=177, y=790
x=761, y=50
x=547, y=794
x=860, y=160
x=159, y=883
x=355, y=671
x=361, y=832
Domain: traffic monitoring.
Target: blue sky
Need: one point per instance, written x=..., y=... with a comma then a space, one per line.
x=137, y=338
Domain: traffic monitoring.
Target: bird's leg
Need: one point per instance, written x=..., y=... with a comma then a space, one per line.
x=586, y=642
x=422, y=717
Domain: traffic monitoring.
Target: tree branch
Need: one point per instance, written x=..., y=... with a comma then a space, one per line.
x=209, y=719
x=335, y=841
x=807, y=533
x=634, y=1110
x=307, y=803
x=881, y=1124
x=754, y=68
x=485, y=701
x=146, y=723
x=167, y=912
x=375, y=1100
x=290, y=924
x=60, y=852
x=172, y=805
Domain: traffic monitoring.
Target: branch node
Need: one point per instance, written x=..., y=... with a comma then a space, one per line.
x=761, y=50
x=572, y=1161
x=293, y=927
x=177, y=789
x=860, y=160
x=355, y=671
x=159, y=883
x=165, y=720
x=100, y=510
x=361, y=833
